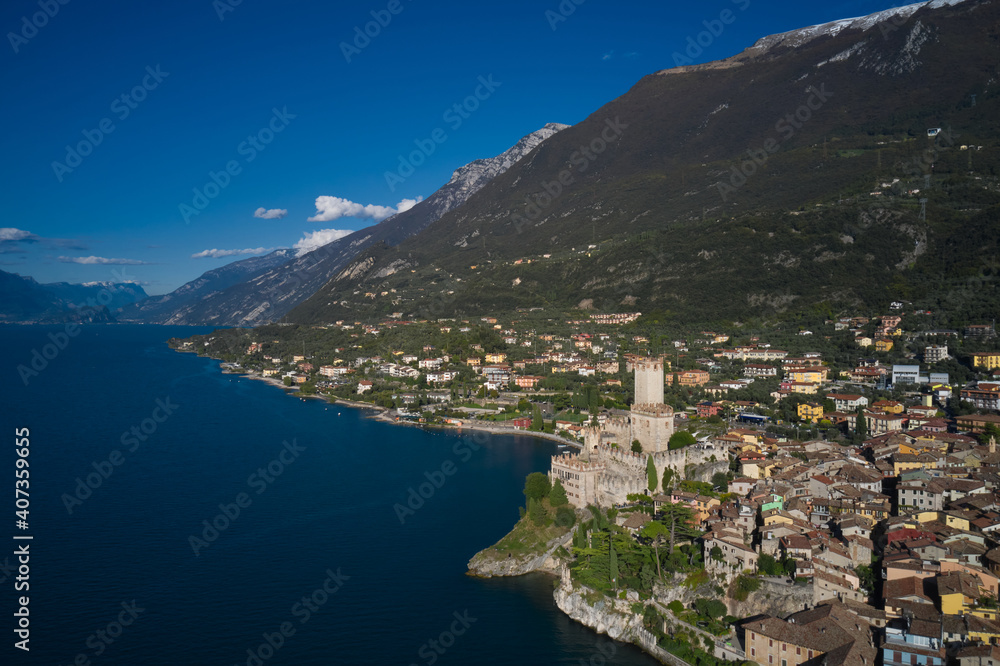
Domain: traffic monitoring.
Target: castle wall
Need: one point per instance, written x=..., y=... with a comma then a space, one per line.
x=606, y=475
x=578, y=477
x=624, y=474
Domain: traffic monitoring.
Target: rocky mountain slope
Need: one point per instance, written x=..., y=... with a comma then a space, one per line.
x=800, y=173
x=263, y=289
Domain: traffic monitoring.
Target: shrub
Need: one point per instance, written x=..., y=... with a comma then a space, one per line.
x=565, y=517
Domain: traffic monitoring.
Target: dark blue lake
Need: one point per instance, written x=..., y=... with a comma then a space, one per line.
x=316, y=549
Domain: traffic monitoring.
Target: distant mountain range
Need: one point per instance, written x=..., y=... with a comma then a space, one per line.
x=263, y=289
x=22, y=299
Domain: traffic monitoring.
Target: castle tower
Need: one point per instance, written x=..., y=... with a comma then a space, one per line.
x=648, y=381
x=591, y=439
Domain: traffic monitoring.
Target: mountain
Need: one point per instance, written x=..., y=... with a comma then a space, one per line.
x=804, y=172
x=263, y=289
x=161, y=309
x=22, y=299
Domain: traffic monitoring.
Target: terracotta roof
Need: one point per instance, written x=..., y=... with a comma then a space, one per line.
x=905, y=588
x=958, y=582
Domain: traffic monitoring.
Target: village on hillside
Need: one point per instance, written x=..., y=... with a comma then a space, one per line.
x=854, y=462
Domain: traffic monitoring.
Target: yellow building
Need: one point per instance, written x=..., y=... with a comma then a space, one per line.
x=959, y=591
x=986, y=360
x=496, y=358
x=810, y=411
x=776, y=517
x=888, y=406
x=814, y=375
x=883, y=345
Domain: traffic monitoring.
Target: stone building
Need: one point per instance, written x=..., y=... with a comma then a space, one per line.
x=606, y=470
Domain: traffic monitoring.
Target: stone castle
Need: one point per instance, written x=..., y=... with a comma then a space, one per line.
x=607, y=470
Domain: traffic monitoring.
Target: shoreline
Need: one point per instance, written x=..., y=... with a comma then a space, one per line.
x=382, y=414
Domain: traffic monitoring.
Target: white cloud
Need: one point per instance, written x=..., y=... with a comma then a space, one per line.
x=13, y=240
x=333, y=208
x=270, y=214
x=317, y=239
x=407, y=204
x=12, y=234
x=215, y=254
x=102, y=260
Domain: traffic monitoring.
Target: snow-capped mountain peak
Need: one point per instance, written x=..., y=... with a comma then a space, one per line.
x=801, y=36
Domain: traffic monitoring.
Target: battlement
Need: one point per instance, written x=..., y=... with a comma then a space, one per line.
x=572, y=461
x=621, y=456
x=634, y=363
x=653, y=409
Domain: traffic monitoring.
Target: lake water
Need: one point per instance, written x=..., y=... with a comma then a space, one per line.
x=316, y=568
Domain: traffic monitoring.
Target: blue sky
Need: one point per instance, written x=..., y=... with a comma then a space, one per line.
x=154, y=98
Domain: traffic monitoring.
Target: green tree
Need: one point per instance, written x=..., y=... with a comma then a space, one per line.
x=536, y=511
x=286, y=380
x=651, y=474
x=655, y=532
x=613, y=564
x=866, y=576
x=711, y=608
x=636, y=446
x=680, y=439
x=680, y=519
x=768, y=566
x=565, y=516
x=523, y=405
x=990, y=432
x=860, y=426
x=557, y=496
x=537, y=424
x=668, y=479
x=720, y=480
x=537, y=486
